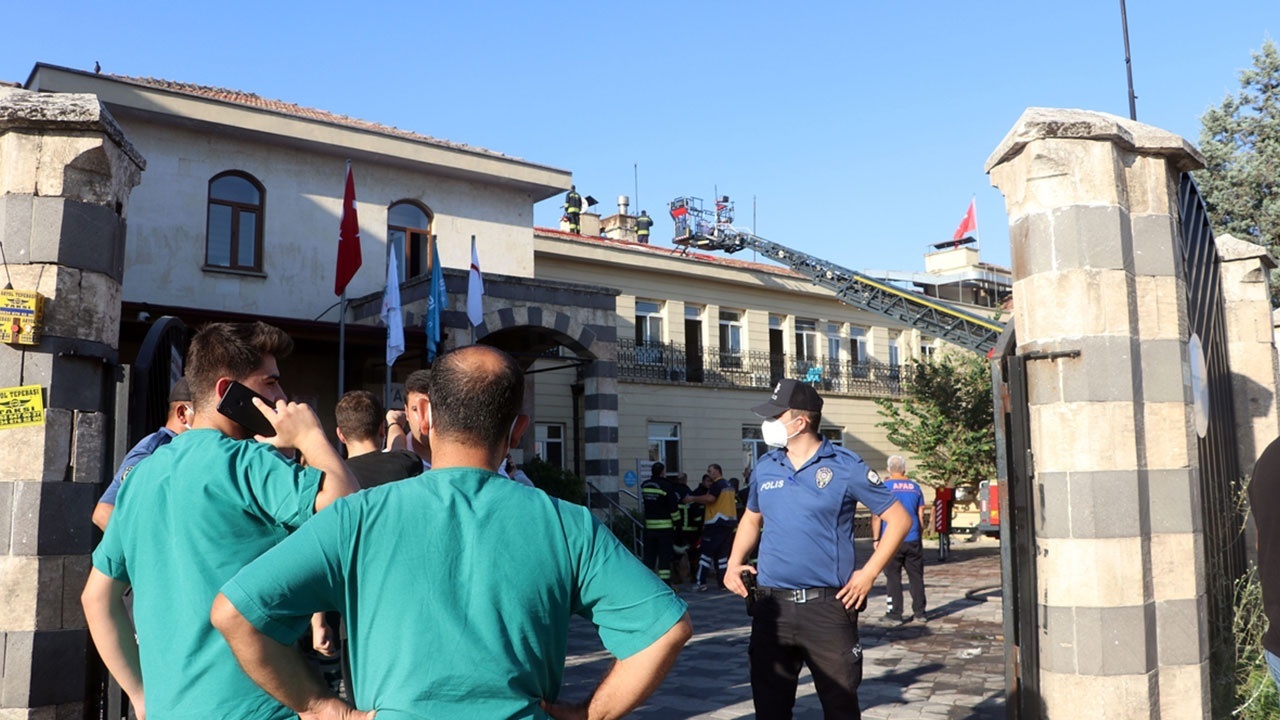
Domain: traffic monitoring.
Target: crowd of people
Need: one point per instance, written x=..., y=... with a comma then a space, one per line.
x=443, y=579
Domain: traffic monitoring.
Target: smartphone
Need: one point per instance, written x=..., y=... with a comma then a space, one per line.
x=237, y=404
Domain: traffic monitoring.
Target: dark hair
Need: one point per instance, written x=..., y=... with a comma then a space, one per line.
x=813, y=416
x=419, y=381
x=657, y=470
x=476, y=392
x=359, y=415
x=231, y=350
x=717, y=467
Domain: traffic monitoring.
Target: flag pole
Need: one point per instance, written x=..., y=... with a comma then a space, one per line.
x=342, y=342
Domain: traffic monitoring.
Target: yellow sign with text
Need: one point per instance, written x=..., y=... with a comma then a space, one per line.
x=20, y=316
x=21, y=406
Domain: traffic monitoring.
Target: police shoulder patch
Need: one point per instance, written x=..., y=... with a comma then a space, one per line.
x=873, y=477
x=823, y=477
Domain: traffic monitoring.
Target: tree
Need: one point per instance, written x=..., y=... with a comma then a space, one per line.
x=1240, y=140
x=946, y=421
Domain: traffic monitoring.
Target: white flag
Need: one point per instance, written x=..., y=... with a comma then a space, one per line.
x=391, y=314
x=475, y=289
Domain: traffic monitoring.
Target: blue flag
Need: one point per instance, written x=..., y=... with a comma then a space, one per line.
x=437, y=301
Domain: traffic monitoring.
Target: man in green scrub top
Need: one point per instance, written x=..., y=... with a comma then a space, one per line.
x=457, y=585
x=190, y=517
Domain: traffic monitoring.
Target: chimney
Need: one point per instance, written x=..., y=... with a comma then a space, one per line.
x=624, y=202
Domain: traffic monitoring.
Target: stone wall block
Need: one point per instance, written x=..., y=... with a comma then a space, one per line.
x=1114, y=697
x=1090, y=572
x=15, y=223
x=1152, y=187
x=1098, y=301
x=1112, y=641
x=10, y=365
x=1103, y=372
x=1184, y=690
x=19, y=580
x=1174, y=500
x=89, y=442
x=1070, y=437
x=1153, y=253
x=77, y=235
x=1162, y=312
x=1169, y=434
x=6, y=519
x=1090, y=237
x=82, y=305
x=39, y=452
x=1182, y=640
x=75, y=572
x=1172, y=563
x=19, y=158
x=1058, y=172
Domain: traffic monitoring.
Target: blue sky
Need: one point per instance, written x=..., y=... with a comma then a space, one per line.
x=860, y=129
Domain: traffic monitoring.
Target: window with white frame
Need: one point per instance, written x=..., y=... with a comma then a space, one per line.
x=664, y=445
x=833, y=344
x=730, y=339
x=894, y=356
x=806, y=340
x=858, y=345
x=928, y=346
x=648, y=323
x=549, y=443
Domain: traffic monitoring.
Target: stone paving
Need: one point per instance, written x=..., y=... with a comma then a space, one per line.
x=950, y=669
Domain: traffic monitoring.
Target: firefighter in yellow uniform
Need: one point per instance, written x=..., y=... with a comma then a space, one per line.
x=660, y=505
x=643, y=223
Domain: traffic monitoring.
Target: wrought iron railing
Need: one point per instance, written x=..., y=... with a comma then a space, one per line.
x=672, y=363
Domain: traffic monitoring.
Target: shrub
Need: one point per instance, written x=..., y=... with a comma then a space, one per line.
x=555, y=482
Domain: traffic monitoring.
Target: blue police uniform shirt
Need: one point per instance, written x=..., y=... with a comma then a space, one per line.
x=140, y=452
x=808, y=513
x=909, y=494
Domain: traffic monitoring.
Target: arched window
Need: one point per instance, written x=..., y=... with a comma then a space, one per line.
x=409, y=235
x=234, y=235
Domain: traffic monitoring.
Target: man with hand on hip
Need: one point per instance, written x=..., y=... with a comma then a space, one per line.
x=805, y=492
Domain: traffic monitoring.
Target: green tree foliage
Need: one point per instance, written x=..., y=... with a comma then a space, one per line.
x=946, y=421
x=1240, y=140
x=555, y=482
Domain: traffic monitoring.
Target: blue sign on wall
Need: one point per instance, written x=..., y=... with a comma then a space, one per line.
x=630, y=479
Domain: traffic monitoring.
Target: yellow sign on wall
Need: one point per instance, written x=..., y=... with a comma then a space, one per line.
x=20, y=316
x=21, y=406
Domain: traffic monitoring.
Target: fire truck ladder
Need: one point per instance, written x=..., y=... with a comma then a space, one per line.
x=702, y=230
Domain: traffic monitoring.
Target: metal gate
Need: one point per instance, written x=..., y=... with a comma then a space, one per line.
x=1017, y=531
x=1220, y=480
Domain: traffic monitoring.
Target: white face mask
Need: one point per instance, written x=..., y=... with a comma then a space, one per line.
x=774, y=432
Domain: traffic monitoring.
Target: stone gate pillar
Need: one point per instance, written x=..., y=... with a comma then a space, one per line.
x=66, y=172
x=1092, y=202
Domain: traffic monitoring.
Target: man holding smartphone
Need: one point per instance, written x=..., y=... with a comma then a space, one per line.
x=196, y=512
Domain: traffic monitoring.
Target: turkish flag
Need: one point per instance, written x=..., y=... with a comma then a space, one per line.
x=348, y=238
x=969, y=225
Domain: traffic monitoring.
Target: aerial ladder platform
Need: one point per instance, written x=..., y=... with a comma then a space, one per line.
x=703, y=229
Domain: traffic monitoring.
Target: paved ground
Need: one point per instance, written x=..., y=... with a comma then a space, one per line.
x=950, y=669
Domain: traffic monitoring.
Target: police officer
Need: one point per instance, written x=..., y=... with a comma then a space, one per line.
x=660, y=505
x=643, y=223
x=573, y=209
x=808, y=595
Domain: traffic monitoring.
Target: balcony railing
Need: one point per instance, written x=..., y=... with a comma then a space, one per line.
x=671, y=363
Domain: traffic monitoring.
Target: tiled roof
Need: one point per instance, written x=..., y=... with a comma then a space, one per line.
x=254, y=100
x=672, y=252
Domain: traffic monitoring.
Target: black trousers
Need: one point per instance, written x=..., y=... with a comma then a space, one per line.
x=717, y=541
x=658, y=551
x=787, y=635
x=911, y=557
